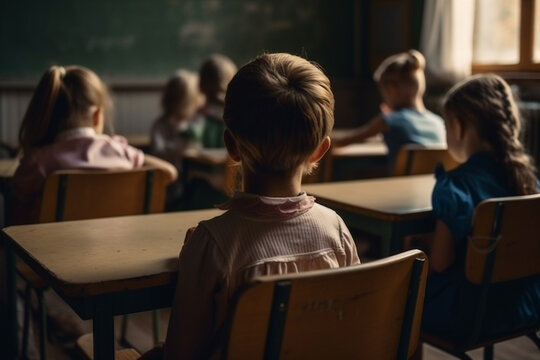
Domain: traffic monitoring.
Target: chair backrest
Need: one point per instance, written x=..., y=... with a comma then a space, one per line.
x=369, y=311
x=88, y=194
x=413, y=159
x=505, y=240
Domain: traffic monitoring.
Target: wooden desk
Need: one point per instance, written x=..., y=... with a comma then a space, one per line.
x=361, y=160
x=140, y=141
x=103, y=267
x=212, y=157
x=388, y=207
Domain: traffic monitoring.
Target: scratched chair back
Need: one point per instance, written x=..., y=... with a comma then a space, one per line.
x=87, y=194
x=415, y=159
x=504, y=246
x=370, y=311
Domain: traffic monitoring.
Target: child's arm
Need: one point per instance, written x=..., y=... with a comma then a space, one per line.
x=150, y=160
x=193, y=312
x=373, y=127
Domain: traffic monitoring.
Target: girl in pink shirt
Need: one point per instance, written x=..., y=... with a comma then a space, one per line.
x=279, y=110
x=63, y=129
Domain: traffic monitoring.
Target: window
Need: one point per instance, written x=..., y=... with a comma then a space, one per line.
x=506, y=35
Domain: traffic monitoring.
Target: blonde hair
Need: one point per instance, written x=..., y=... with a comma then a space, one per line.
x=401, y=68
x=180, y=91
x=278, y=108
x=215, y=74
x=63, y=100
x=486, y=102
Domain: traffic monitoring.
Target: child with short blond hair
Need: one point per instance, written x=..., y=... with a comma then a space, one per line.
x=279, y=111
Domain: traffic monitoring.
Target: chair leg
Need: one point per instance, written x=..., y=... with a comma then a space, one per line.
x=26, y=320
x=156, y=322
x=42, y=325
x=535, y=339
x=488, y=352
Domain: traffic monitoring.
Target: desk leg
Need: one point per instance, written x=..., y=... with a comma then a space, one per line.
x=13, y=330
x=387, y=237
x=103, y=330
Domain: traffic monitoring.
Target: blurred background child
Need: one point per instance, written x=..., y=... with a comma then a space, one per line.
x=169, y=134
x=214, y=75
x=206, y=187
x=403, y=119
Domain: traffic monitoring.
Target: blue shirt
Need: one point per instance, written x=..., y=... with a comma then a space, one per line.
x=409, y=126
x=454, y=198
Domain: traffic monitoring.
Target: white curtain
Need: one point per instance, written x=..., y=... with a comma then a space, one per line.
x=447, y=38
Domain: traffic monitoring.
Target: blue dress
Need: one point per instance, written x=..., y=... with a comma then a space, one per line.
x=409, y=126
x=455, y=196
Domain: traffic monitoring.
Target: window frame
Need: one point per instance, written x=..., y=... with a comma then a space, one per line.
x=526, y=45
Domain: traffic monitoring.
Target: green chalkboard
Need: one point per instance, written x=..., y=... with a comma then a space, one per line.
x=152, y=38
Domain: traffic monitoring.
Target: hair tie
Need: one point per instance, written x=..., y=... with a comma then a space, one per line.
x=62, y=72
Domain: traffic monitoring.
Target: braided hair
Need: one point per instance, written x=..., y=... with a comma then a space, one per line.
x=486, y=101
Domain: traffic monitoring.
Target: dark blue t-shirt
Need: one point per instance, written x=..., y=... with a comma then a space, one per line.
x=454, y=198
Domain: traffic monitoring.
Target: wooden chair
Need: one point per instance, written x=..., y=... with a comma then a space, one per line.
x=415, y=159
x=88, y=194
x=370, y=311
x=504, y=247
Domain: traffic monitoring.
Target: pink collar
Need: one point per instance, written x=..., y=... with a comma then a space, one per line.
x=265, y=206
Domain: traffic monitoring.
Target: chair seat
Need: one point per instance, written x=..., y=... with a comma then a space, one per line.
x=85, y=345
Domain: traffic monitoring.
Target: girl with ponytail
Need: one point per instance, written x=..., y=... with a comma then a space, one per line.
x=403, y=119
x=63, y=129
x=483, y=127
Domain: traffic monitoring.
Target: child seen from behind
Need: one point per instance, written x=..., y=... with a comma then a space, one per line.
x=63, y=129
x=214, y=75
x=403, y=119
x=279, y=111
x=483, y=127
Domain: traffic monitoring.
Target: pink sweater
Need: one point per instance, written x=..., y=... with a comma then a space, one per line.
x=79, y=148
x=256, y=236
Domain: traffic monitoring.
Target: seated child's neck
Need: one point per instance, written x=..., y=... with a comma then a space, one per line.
x=273, y=185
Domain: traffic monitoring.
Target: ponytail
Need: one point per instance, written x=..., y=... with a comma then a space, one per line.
x=39, y=127
x=63, y=99
x=486, y=102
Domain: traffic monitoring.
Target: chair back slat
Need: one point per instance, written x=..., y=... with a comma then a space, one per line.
x=88, y=194
x=416, y=159
x=355, y=313
x=516, y=245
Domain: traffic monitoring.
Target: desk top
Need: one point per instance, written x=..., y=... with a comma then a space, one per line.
x=90, y=257
x=392, y=199
x=217, y=156
x=370, y=148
